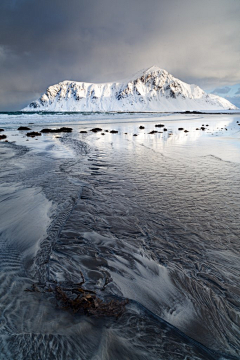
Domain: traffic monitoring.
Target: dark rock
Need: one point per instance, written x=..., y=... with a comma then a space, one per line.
x=153, y=132
x=141, y=127
x=3, y=137
x=165, y=129
x=106, y=130
x=202, y=128
x=125, y=133
x=1, y=130
x=23, y=128
x=83, y=132
x=33, y=133
x=62, y=129
x=46, y=131
x=207, y=125
x=186, y=131
x=197, y=128
x=34, y=105
x=113, y=131
x=102, y=134
x=96, y=129
x=134, y=134
x=159, y=125
x=192, y=112
x=180, y=128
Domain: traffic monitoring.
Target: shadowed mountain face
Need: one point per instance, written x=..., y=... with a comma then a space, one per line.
x=151, y=90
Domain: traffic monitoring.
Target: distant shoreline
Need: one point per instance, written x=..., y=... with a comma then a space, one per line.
x=207, y=112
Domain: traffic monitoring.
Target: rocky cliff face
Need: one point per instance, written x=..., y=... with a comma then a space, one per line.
x=151, y=90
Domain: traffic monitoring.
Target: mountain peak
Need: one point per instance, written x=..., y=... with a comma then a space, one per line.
x=153, y=68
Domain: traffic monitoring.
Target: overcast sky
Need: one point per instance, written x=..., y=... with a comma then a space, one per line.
x=43, y=42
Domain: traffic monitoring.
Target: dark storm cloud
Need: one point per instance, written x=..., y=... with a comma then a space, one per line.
x=44, y=42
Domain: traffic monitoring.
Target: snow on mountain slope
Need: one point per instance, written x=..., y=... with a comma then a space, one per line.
x=230, y=93
x=151, y=90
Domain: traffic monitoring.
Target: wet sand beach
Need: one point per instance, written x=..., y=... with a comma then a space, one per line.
x=143, y=222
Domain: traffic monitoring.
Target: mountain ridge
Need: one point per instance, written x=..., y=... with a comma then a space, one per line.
x=228, y=92
x=153, y=89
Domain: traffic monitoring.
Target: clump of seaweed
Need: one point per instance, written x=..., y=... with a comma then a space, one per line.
x=87, y=302
x=79, y=300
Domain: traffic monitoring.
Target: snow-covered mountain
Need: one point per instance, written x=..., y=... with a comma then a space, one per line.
x=151, y=90
x=230, y=93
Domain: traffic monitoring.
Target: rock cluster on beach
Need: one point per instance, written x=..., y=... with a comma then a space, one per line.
x=32, y=134
x=62, y=129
